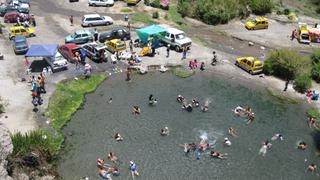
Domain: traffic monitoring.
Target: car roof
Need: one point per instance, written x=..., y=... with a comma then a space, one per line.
x=174, y=31
x=261, y=19
x=71, y=46
x=91, y=15
x=16, y=27
x=19, y=39
x=11, y=13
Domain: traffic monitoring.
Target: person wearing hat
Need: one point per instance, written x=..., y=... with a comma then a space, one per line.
x=133, y=169
x=164, y=131
x=227, y=142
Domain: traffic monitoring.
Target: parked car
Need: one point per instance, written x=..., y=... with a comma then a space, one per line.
x=58, y=62
x=117, y=33
x=12, y=17
x=95, y=20
x=176, y=38
x=20, y=45
x=257, y=23
x=96, y=52
x=80, y=37
x=24, y=8
x=8, y=8
x=250, y=64
x=73, y=0
x=68, y=51
x=115, y=45
x=101, y=3
x=21, y=31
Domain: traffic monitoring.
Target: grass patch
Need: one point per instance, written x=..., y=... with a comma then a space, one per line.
x=68, y=97
x=126, y=10
x=313, y=112
x=36, y=140
x=281, y=99
x=176, y=17
x=143, y=18
x=183, y=73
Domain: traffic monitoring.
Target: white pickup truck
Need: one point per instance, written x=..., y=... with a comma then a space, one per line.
x=176, y=38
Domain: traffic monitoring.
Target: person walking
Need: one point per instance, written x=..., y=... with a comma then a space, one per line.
x=202, y=66
x=128, y=74
x=131, y=45
x=184, y=53
x=168, y=50
x=286, y=85
x=71, y=20
x=95, y=34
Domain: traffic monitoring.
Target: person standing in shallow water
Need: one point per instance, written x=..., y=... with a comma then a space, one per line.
x=128, y=74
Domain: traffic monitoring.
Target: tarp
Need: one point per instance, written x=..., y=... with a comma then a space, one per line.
x=42, y=50
x=145, y=33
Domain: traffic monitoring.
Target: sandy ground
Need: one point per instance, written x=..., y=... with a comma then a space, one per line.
x=53, y=26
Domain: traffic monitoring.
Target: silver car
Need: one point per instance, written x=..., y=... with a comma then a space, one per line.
x=96, y=20
x=101, y=2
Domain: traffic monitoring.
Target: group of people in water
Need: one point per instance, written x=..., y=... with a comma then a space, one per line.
x=244, y=112
x=194, y=104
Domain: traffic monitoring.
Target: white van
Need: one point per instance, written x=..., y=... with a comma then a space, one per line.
x=101, y=2
x=58, y=62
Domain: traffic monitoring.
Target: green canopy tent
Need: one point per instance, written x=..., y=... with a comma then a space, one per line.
x=150, y=31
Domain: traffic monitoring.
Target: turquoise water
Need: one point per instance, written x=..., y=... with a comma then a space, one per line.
x=159, y=157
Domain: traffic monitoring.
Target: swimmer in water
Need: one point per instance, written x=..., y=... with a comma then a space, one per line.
x=195, y=103
x=312, y=167
x=180, y=98
x=302, y=145
x=112, y=157
x=136, y=110
x=110, y=101
x=250, y=118
x=114, y=171
x=205, y=108
x=265, y=146
x=164, y=131
x=187, y=107
x=152, y=100
x=312, y=122
x=218, y=155
x=100, y=163
x=227, y=142
x=104, y=174
x=118, y=137
x=133, y=169
x=277, y=136
x=232, y=132
x=238, y=110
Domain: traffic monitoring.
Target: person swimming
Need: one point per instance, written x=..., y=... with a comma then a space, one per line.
x=152, y=100
x=203, y=145
x=232, y=132
x=104, y=174
x=114, y=171
x=133, y=169
x=110, y=101
x=216, y=154
x=205, y=108
x=238, y=110
x=118, y=137
x=265, y=146
x=302, y=145
x=186, y=149
x=136, y=110
x=312, y=167
x=187, y=107
x=227, y=142
x=180, y=98
x=195, y=103
x=277, y=136
x=112, y=157
x=164, y=131
x=100, y=163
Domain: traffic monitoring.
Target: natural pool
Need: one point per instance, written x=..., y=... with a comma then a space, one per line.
x=159, y=157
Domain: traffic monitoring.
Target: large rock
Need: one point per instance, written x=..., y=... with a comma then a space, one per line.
x=5, y=149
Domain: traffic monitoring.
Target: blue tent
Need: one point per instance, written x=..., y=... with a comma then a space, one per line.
x=42, y=50
x=146, y=32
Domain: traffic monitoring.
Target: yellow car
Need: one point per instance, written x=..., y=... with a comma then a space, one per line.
x=134, y=2
x=250, y=64
x=257, y=23
x=20, y=31
x=115, y=45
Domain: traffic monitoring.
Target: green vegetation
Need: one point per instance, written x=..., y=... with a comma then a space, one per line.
x=36, y=140
x=290, y=65
x=68, y=97
x=183, y=73
x=217, y=11
x=142, y=17
x=3, y=104
x=315, y=57
x=126, y=10
x=155, y=15
x=313, y=112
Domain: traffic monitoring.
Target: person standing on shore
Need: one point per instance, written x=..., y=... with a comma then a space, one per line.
x=184, y=53
x=128, y=74
x=131, y=45
x=286, y=85
x=71, y=20
x=168, y=50
x=202, y=66
x=95, y=34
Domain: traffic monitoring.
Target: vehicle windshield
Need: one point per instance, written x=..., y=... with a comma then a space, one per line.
x=59, y=57
x=305, y=36
x=254, y=22
x=21, y=43
x=258, y=65
x=180, y=36
x=75, y=34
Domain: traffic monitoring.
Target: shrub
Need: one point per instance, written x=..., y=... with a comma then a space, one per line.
x=155, y=15
x=147, y=2
x=287, y=64
x=261, y=7
x=302, y=83
x=315, y=57
x=155, y=3
x=286, y=11
x=183, y=8
x=318, y=10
